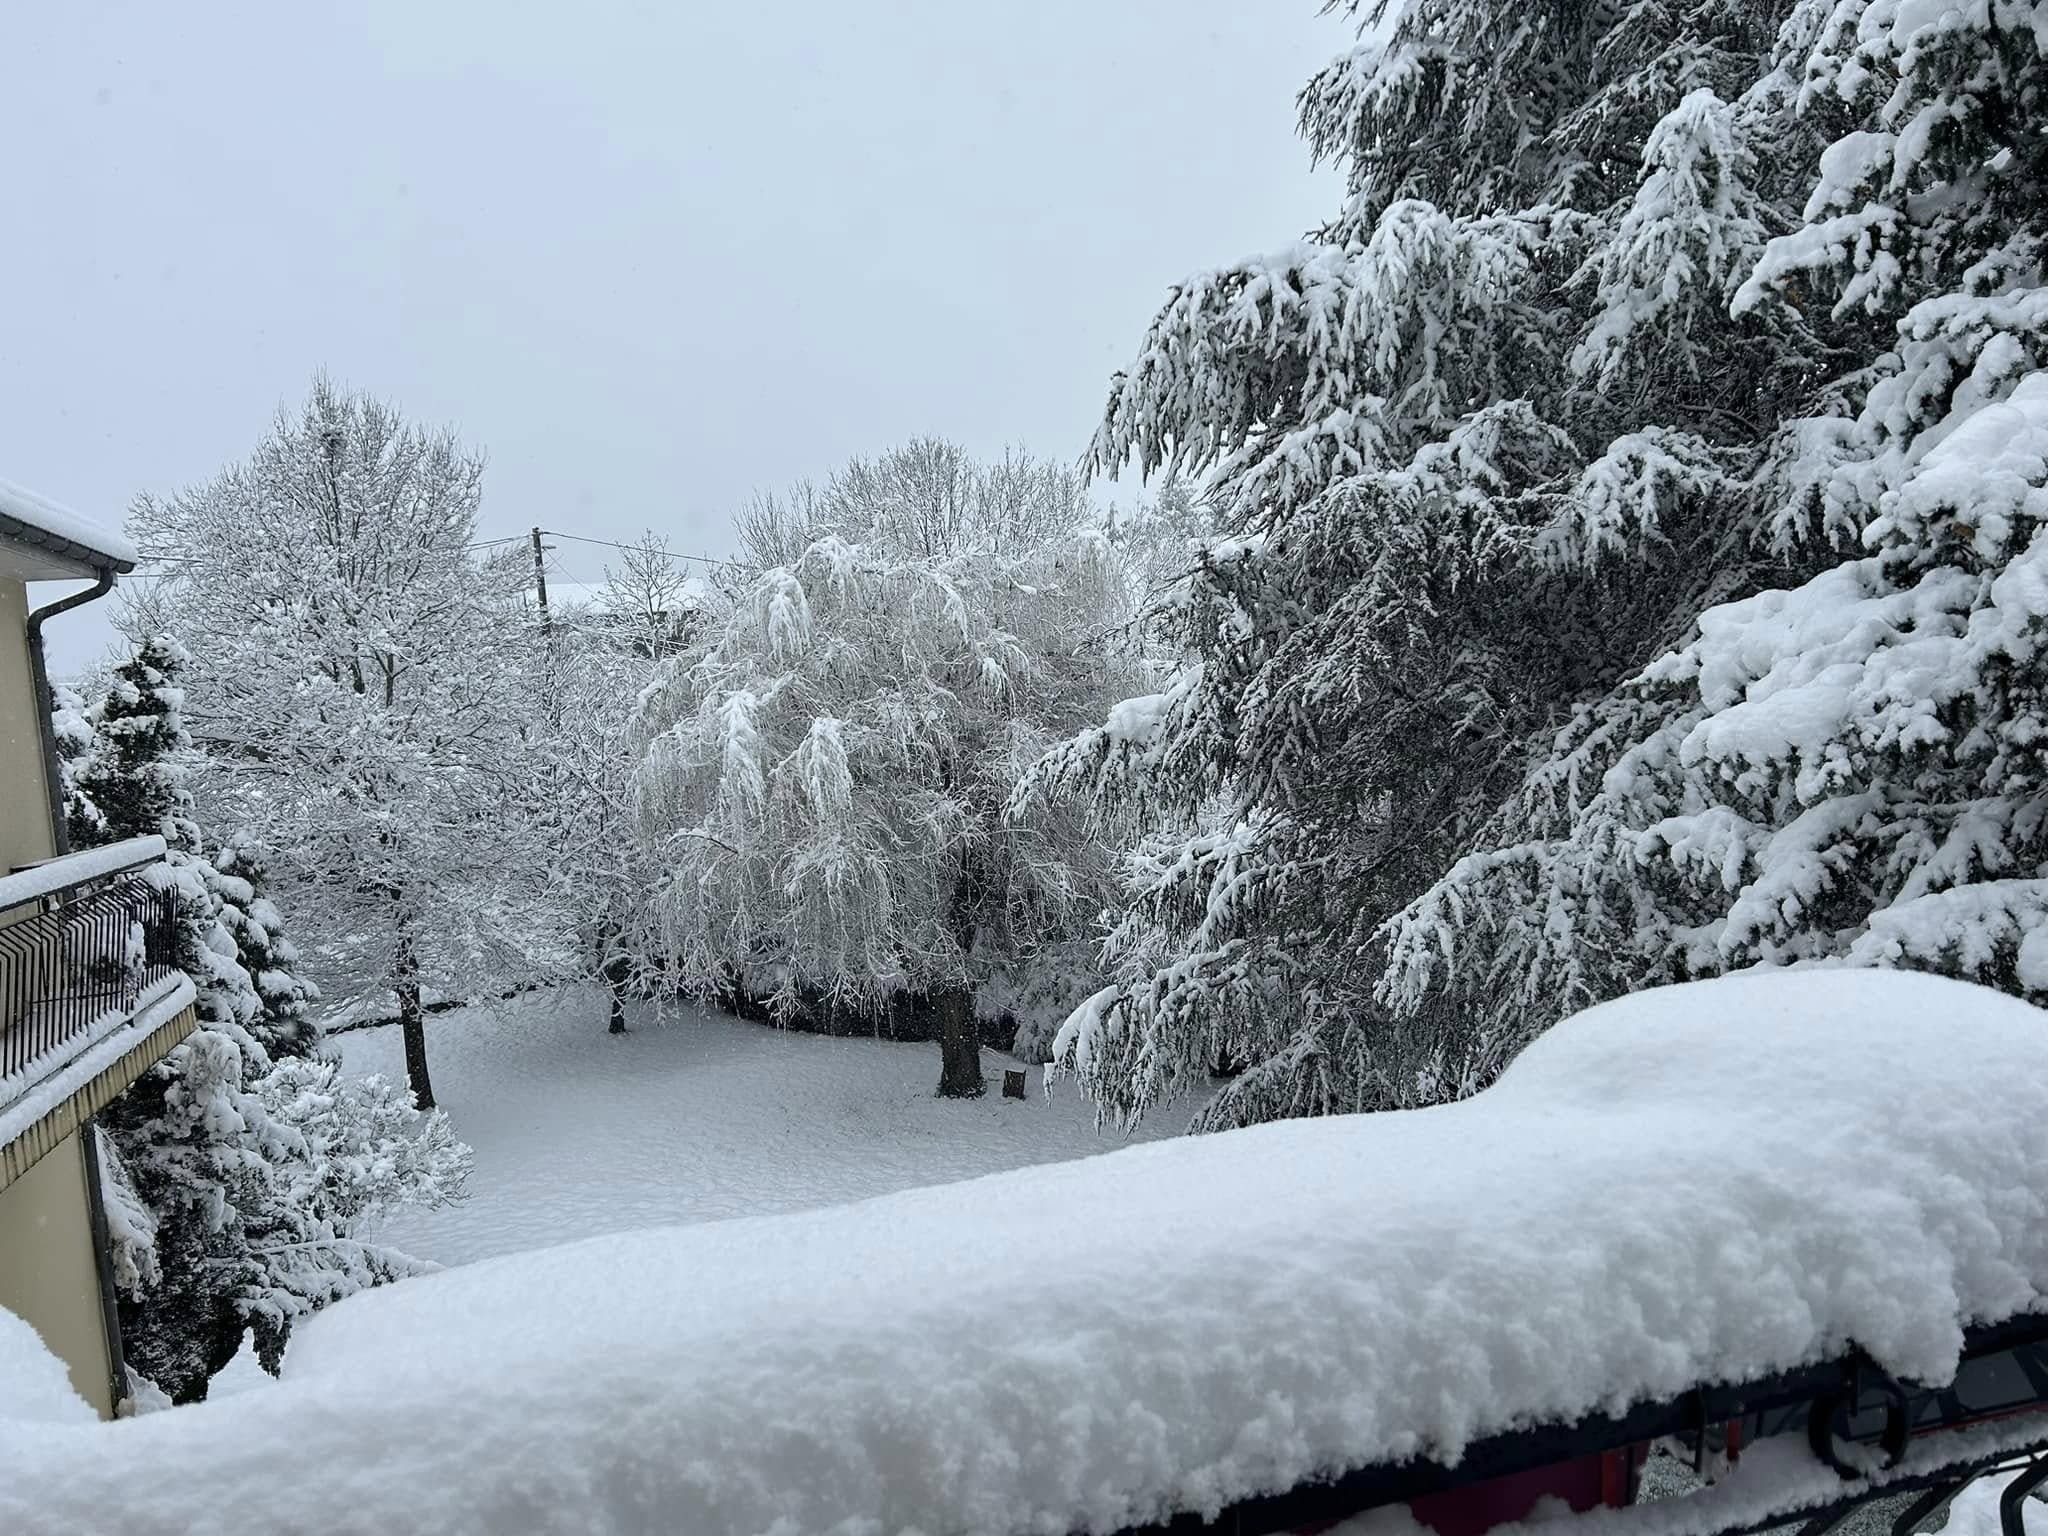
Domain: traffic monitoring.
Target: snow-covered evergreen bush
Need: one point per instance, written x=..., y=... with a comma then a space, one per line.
x=134, y=753
x=825, y=777
x=233, y=1182
x=238, y=880
x=72, y=728
x=1847, y=771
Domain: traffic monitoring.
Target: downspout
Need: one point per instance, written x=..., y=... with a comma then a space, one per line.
x=39, y=682
x=60, y=838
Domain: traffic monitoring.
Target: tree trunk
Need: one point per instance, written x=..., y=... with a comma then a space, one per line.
x=959, y=1044
x=615, y=969
x=412, y=1022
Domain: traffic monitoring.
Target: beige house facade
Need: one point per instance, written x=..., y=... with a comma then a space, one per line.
x=89, y=1000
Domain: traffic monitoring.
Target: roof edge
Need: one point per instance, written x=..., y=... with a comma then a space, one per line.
x=41, y=524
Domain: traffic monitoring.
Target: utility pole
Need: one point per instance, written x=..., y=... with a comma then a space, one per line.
x=540, y=579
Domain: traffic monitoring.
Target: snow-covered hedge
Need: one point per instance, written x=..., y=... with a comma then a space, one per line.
x=1701, y=1182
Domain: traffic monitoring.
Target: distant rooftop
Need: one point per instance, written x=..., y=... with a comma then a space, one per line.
x=58, y=532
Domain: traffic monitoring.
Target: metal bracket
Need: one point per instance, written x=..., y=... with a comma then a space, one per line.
x=1926, y=1507
x=2011, y=1519
x=1820, y=1525
x=1827, y=1420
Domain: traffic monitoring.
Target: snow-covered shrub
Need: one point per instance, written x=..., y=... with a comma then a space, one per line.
x=368, y=1148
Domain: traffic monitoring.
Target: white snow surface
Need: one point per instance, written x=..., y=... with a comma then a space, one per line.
x=34, y=1386
x=25, y=506
x=1696, y=1183
x=695, y=1117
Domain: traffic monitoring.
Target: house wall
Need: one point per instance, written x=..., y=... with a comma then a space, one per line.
x=24, y=799
x=48, y=1271
x=49, y=1274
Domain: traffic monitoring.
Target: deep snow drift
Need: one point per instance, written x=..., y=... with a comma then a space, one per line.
x=695, y=1117
x=1706, y=1182
x=33, y=1383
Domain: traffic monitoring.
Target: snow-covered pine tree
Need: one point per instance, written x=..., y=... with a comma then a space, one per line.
x=233, y=1182
x=360, y=681
x=72, y=728
x=135, y=778
x=140, y=751
x=1478, y=449
x=135, y=752
x=287, y=1025
x=824, y=777
x=1847, y=771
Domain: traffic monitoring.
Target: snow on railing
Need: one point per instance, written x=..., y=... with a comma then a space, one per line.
x=82, y=939
x=53, y=877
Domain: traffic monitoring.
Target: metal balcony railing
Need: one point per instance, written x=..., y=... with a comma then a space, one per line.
x=82, y=938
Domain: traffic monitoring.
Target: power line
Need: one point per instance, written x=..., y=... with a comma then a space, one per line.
x=154, y=557
x=631, y=548
x=157, y=557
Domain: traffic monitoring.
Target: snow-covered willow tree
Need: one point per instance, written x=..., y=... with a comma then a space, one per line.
x=1478, y=449
x=359, y=681
x=239, y=1170
x=824, y=777
x=1851, y=770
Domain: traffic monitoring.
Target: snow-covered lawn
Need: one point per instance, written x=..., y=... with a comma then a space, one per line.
x=696, y=1116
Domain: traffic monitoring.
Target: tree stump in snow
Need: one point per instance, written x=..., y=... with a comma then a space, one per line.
x=1013, y=1083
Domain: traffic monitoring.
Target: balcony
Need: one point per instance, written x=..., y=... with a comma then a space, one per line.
x=90, y=992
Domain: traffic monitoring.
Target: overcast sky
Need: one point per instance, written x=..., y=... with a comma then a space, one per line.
x=649, y=257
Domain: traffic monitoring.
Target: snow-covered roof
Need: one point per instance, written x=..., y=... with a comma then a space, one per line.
x=1702, y=1183
x=60, y=534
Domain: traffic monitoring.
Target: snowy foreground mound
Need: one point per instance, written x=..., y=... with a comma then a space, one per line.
x=1706, y=1182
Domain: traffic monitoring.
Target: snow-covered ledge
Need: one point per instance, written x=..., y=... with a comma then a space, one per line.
x=68, y=1089
x=50, y=876
x=1175, y=1328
